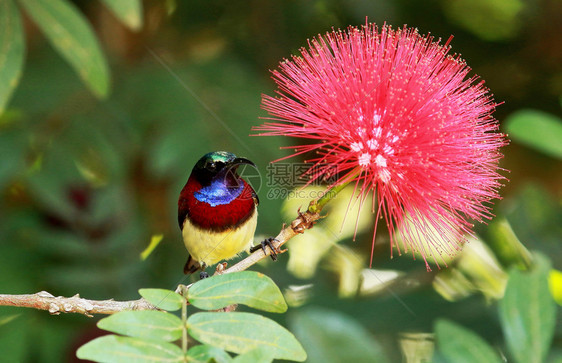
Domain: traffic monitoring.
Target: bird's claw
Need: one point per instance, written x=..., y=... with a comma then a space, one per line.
x=267, y=243
x=203, y=275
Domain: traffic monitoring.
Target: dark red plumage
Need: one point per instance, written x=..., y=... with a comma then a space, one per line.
x=218, y=218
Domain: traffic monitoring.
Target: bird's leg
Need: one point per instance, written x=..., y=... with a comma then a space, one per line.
x=267, y=242
x=191, y=266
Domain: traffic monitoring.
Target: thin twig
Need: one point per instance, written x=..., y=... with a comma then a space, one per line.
x=75, y=304
x=184, y=328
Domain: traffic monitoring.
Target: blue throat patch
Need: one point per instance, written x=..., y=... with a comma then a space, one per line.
x=218, y=193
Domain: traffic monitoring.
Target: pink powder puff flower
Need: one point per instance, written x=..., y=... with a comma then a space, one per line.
x=394, y=112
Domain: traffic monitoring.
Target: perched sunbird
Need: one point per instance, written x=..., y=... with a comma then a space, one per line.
x=217, y=211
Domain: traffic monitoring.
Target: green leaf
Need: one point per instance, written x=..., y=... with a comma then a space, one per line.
x=129, y=11
x=330, y=336
x=203, y=353
x=12, y=49
x=162, y=298
x=539, y=130
x=528, y=312
x=113, y=348
x=71, y=34
x=418, y=347
x=242, y=332
x=250, y=288
x=147, y=324
x=261, y=355
x=154, y=242
x=506, y=246
x=555, y=285
x=459, y=344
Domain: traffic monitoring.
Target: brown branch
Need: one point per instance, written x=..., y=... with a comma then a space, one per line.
x=75, y=304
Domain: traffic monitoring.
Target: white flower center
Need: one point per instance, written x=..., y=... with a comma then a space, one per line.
x=364, y=159
x=373, y=145
x=356, y=146
x=380, y=161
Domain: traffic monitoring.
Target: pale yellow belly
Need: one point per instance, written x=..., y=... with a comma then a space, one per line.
x=212, y=248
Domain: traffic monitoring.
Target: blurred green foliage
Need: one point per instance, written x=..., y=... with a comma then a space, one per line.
x=539, y=130
x=86, y=181
x=490, y=20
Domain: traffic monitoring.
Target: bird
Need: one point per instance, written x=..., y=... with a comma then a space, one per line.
x=217, y=211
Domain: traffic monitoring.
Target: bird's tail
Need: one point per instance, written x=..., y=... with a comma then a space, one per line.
x=191, y=266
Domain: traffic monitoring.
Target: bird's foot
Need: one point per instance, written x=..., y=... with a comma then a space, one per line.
x=203, y=275
x=269, y=243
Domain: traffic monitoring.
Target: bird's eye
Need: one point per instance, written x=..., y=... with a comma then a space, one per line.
x=211, y=166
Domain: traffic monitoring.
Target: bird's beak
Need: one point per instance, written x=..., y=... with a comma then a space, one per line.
x=239, y=161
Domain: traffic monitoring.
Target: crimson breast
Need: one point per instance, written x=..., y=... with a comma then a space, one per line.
x=220, y=217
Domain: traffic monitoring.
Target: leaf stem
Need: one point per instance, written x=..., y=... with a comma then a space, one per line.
x=184, y=325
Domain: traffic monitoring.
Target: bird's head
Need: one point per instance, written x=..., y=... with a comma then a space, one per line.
x=219, y=166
